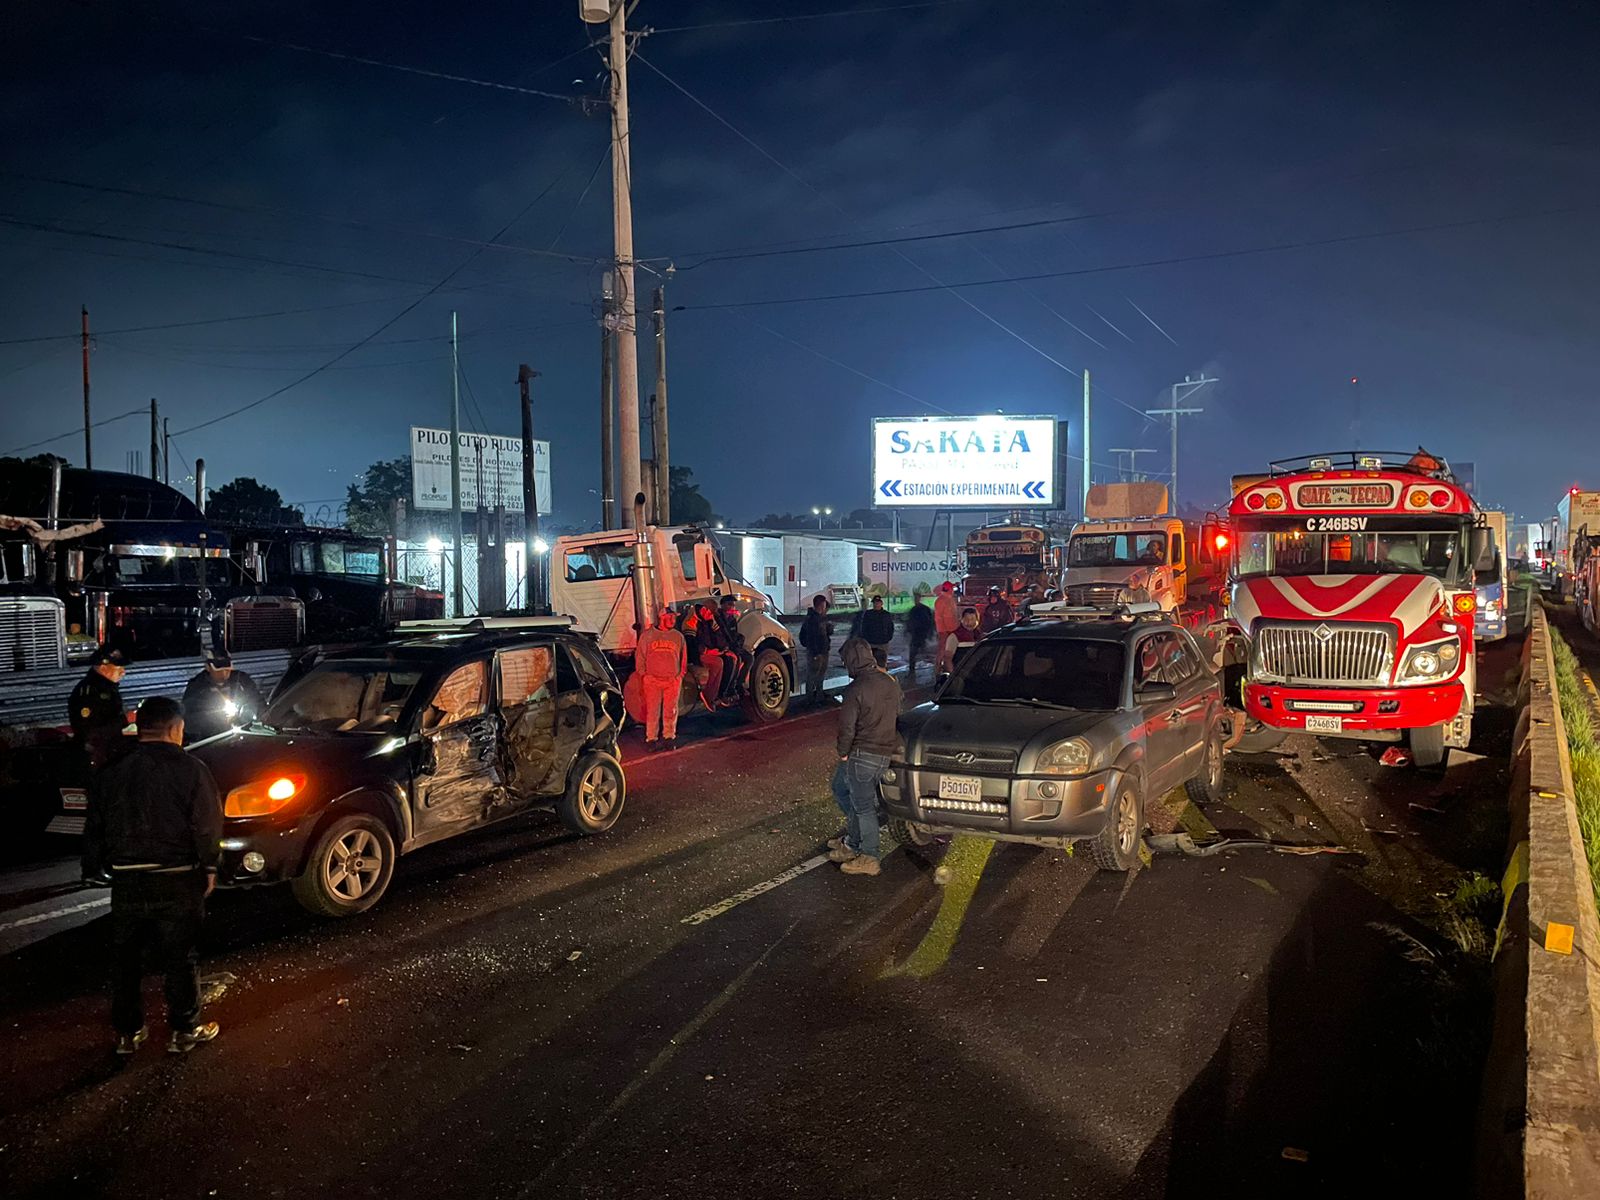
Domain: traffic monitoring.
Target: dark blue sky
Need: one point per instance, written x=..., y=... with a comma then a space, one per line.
x=1176, y=131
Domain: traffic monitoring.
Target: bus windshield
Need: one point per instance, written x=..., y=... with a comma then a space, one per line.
x=1435, y=552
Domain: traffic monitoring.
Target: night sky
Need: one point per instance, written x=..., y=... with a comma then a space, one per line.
x=1180, y=131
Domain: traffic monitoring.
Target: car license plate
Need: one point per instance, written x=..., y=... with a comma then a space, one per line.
x=960, y=787
x=74, y=799
x=1324, y=724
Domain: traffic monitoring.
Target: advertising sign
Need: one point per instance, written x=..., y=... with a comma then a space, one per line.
x=908, y=571
x=497, y=461
x=994, y=462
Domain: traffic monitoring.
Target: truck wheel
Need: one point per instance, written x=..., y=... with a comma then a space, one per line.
x=1258, y=739
x=1206, y=787
x=349, y=867
x=767, y=698
x=596, y=790
x=1116, y=846
x=1427, y=746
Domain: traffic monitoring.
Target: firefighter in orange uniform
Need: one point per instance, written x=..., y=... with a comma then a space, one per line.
x=661, y=658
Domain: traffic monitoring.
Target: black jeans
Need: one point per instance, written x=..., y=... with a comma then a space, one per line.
x=164, y=911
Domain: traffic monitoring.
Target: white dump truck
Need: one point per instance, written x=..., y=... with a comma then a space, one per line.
x=605, y=581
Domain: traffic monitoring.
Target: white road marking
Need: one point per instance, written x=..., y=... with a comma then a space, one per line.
x=750, y=893
x=56, y=914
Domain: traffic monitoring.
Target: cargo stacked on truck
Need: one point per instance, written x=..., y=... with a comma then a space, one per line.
x=146, y=580
x=613, y=583
x=1353, y=580
x=1577, y=514
x=1130, y=548
x=1013, y=556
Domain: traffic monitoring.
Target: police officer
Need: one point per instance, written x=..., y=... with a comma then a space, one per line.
x=95, y=708
x=219, y=697
x=155, y=825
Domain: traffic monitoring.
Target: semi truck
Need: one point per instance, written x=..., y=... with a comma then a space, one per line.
x=1577, y=512
x=1492, y=584
x=1353, y=584
x=1130, y=542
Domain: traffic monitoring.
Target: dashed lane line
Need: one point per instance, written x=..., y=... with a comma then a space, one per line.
x=56, y=914
x=750, y=893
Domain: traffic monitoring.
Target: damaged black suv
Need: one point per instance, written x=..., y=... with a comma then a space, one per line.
x=370, y=753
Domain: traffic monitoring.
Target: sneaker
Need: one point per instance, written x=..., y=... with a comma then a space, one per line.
x=840, y=853
x=670, y=744
x=128, y=1043
x=859, y=864
x=183, y=1042
x=651, y=745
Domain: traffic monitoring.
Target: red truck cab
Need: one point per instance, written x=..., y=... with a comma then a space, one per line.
x=1353, y=578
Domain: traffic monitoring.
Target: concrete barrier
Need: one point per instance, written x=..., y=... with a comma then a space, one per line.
x=1539, y=1132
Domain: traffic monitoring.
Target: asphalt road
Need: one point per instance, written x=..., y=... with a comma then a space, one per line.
x=531, y=1015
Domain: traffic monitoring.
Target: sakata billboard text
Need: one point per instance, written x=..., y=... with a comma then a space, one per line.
x=497, y=461
x=994, y=462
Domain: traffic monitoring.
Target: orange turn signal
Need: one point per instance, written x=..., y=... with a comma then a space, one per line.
x=263, y=796
x=1466, y=603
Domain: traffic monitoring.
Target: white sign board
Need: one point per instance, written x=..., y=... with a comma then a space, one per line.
x=996, y=462
x=497, y=461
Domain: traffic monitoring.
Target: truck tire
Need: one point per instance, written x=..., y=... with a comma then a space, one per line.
x=596, y=792
x=1206, y=787
x=767, y=698
x=349, y=867
x=1116, y=846
x=1258, y=739
x=1427, y=746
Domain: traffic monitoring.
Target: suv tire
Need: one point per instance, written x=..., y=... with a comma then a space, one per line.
x=596, y=791
x=767, y=698
x=1206, y=787
x=349, y=867
x=1116, y=846
x=910, y=833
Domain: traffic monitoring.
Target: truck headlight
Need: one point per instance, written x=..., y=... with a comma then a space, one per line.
x=1071, y=757
x=1429, y=663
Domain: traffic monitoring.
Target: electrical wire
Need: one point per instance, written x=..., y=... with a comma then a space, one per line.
x=76, y=430
x=1152, y=321
x=278, y=312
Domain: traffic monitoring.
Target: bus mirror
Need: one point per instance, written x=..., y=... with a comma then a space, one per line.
x=1483, y=550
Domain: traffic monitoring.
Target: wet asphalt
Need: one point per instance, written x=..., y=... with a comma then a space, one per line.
x=528, y=1014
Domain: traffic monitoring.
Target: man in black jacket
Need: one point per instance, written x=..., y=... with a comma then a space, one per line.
x=919, y=632
x=219, y=697
x=816, y=639
x=877, y=627
x=155, y=825
x=868, y=737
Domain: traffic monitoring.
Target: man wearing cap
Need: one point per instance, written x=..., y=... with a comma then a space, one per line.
x=946, y=620
x=155, y=826
x=218, y=698
x=95, y=708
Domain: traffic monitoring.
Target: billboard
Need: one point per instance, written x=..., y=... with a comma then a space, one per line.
x=909, y=571
x=497, y=461
x=995, y=462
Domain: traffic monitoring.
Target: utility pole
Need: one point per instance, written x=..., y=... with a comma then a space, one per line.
x=1190, y=385
x=626, y=332
x=1086, y=454
x=166, y=454
x=155, y=444
x=455, y=464
x=608, y=413
x=1355, y=384
x=1128, y=466
x=658, y=416
x=88, y=440
x=530, y=496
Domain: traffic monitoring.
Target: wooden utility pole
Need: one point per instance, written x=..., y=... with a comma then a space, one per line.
x=608, y=416
x=88, y=439
x=155, y=441
x=455, y=468
x=166, y=454
x=658, y=417
x=626, y=300
x=531, y=558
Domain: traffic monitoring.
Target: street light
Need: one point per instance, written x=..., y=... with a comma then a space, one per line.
x=540, y=546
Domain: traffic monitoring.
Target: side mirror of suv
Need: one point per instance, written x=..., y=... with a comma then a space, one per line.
x=1155, y=693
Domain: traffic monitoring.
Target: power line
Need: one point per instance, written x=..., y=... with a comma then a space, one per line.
x=78, y=430
x=1175, y=260
x=820, y=16
x=1152, y=321
x=278, y=312
x=468, y=261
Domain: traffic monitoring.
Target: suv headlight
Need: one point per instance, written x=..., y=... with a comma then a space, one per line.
x=262, y=797
x=1432, y=662
x=1071, y=757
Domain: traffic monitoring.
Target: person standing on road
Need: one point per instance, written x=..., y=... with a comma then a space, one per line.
x=966, y=635
x=946, y=620
x=877, y=628
x=95, y=708
x=867, y=739
x=816, y=639
x=920, y=631
x=155, y=825
x=218, y=697
x=660, y=660
x=998, y=613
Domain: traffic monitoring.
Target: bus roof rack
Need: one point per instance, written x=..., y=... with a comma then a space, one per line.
x=1366, y=460
x=1123, y=611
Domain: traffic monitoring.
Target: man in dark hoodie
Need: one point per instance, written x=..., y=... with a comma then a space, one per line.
x=867, y=740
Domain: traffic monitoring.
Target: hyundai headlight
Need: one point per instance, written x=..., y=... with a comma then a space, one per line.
x=1071, y=757
x=1430, y=663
